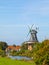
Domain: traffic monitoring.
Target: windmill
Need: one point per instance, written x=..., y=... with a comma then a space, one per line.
x=33, y=37
x=33, y=34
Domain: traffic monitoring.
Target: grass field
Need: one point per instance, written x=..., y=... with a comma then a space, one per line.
x=7, y=61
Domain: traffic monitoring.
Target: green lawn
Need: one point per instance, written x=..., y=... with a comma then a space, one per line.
x=7, y=61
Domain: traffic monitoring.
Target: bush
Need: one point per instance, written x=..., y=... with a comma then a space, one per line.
x=2, y=53
x=41, y=55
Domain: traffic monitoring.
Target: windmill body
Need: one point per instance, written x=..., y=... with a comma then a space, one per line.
x=33, y=36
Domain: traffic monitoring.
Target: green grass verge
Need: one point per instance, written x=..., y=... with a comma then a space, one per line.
x=7, y=61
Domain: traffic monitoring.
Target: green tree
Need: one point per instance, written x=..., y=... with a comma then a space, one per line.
x=3, y=45
x=41, y=55
x=24, y=46
x=14, y=45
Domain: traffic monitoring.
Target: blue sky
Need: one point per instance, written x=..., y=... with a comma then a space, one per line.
x=16, y=15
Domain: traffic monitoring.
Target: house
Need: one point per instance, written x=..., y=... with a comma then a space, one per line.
x=12, y=48
x=16, y=48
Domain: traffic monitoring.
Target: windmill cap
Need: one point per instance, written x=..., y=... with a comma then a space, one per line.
x=34, y=31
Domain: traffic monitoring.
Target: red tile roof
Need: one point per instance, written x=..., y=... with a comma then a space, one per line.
x=14, y=47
